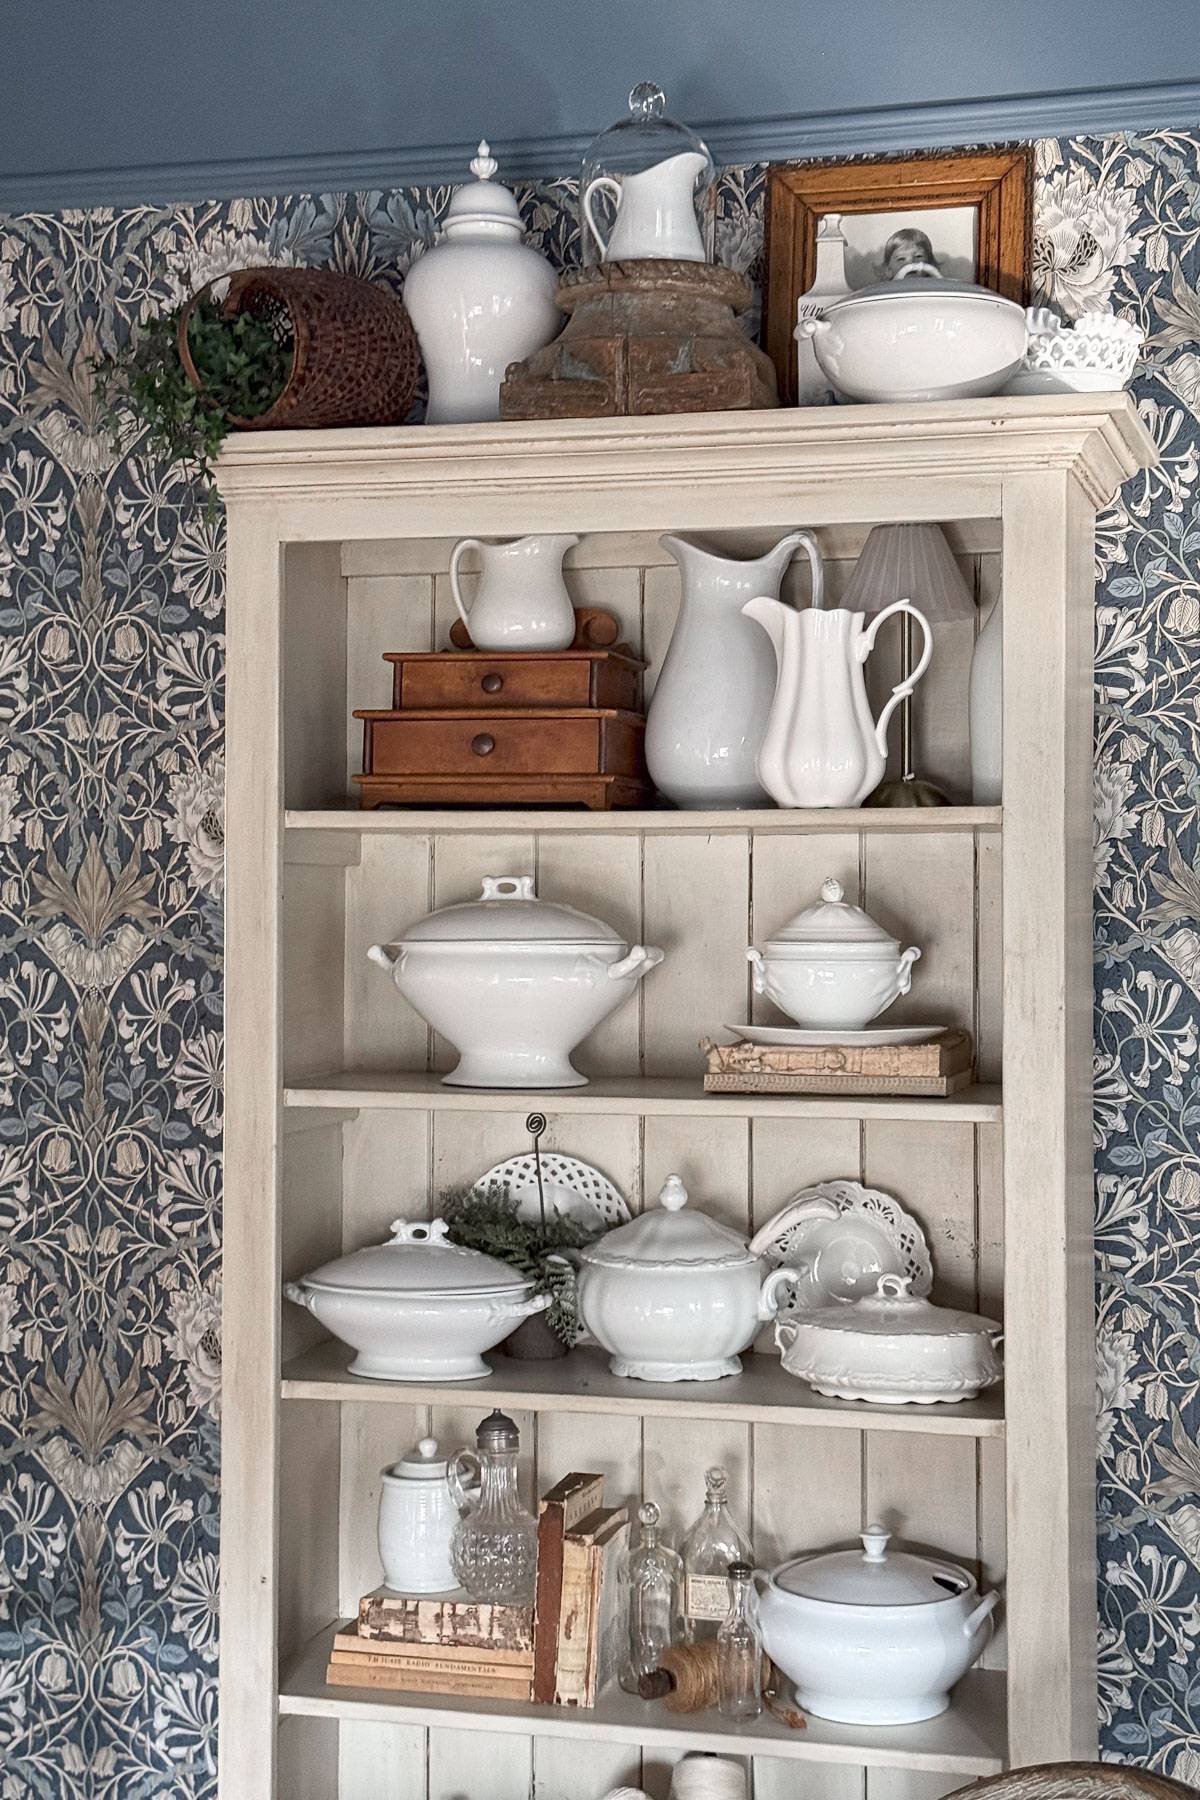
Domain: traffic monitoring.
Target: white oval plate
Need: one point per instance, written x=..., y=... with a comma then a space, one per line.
x=571, y=1188
x=843, y=1236
x=785, y=1036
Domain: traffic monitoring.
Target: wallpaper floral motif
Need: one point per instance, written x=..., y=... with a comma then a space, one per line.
x=111, y=823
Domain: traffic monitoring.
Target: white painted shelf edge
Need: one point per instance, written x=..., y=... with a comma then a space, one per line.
x=763, y=1394
x=418, y=821
x=969, y=1739
x=651, y=1096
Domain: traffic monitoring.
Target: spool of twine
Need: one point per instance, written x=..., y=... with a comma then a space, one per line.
x=699, y=1777
x=686, y=1680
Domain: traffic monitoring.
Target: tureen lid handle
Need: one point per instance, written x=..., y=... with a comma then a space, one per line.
x=509, y=887
x=832, y=891
x=672, y=1195
x=420, y=1231
x=875, y=1541
x=894, y=1287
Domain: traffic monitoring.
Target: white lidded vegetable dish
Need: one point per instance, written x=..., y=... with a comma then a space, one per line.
x=874, y=1636
x=831, y=967
x=514, y=982
x=891, y=1347
x=418, y=1308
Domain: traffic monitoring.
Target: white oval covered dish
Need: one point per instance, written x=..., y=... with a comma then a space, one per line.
x=918, y=337
x=832, y=967
x=675, y=1295
x=514, y=982
x=418, y=1308
x=872, y=1636
x=891, y=1347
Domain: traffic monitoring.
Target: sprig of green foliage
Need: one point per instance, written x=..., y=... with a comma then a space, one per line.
x=489, y=1222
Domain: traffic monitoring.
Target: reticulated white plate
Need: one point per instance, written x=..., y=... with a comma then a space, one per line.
x=793, y=1035
x=572, y=1189
x=842, y=1237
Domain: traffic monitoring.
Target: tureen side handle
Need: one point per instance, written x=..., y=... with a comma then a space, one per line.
x=785, y=1334
x=758, y=964
x=768, y=1294
x=981, y=1613
x=809, y=327
x=297, y=1295
x=385, y=957
x=641, y=959
x=904, y=969
x=522, y=1309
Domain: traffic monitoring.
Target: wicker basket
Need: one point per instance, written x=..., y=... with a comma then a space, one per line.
x=354, y=359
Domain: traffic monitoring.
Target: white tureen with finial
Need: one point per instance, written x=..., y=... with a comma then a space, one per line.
x=480, y=299
x=832, y=968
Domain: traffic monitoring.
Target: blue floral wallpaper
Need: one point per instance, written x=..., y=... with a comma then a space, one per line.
x=111, y=827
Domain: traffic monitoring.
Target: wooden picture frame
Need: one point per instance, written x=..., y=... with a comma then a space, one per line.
x=998, y=183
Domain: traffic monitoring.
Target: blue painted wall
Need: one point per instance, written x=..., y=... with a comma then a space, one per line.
x=152, y=99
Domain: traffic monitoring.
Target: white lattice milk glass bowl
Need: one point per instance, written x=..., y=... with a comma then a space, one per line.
x=1097, y=355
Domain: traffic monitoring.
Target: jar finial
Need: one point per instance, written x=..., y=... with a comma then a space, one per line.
x=832, y=890
x=672, y=1195
x=483, y=163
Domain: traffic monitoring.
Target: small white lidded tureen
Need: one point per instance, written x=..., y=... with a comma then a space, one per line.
x=891, y=1347
x=871, y=1637
x=675, y=1295
x=832, y=968
x=418, y=1308
x=514, y=982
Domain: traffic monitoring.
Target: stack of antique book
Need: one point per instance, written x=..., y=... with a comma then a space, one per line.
x=562, y=1650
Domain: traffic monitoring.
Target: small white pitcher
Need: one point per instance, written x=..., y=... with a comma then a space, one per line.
x=522, y=601
x=656, y=211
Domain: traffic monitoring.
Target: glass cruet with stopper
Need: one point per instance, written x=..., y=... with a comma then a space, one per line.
x=708, y=1548
x=493, y=1551
x=739, y=1648
x=655, y=1580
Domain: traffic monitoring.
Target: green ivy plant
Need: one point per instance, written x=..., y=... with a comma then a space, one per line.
x=489, y=1221
x=243, y=362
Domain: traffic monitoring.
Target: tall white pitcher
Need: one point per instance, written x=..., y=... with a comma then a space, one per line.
x=710, y=707
x=821, y=746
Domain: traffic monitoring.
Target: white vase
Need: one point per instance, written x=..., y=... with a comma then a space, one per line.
x=710, y=706
x=987, y=711
x=479, y=300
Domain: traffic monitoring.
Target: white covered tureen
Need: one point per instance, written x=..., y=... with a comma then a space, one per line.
x=872, y=1636
x=918, y=337
x=891, y=1347
x=514, y=982
x=418, y=1308
x=832, y=967
x=675, y=1295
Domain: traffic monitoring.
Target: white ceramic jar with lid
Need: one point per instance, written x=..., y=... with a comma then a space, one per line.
x=874, y=1636
x=891, y=1347
x=675, y=1295
x=417, y=1518
x=418, y=1308
x=480, y=299
x=832, y=967
x=514, y=982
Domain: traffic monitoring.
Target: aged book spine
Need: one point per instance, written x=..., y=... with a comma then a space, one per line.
x=420, y=1681
x=350, y=1644
x=563, y=1507
x=395, y=1618
x=583, y=1550
x=480, y=1665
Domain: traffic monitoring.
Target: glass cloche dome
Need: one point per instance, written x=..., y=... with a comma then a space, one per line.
x=644, y=187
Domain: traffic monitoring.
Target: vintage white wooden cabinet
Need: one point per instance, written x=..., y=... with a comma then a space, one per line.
x=336, y=1124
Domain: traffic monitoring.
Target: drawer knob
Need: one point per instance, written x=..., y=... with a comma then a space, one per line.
x=484, y=744
x=491, y=684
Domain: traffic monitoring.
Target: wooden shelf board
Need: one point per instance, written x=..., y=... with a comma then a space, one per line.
x=969, y=1739
x=649, y=1097
x=763, y=1394
x=657, y=822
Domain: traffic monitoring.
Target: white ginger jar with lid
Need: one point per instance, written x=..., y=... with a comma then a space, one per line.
x=481, y=299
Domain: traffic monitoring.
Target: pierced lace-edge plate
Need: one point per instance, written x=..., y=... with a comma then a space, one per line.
x=572, y=1189
x=842, y=1253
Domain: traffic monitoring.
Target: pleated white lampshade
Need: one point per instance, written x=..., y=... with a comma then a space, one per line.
x=909, y=562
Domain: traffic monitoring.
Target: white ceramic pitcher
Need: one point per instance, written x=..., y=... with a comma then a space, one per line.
x=710, y=706
x=522, y=601
x=656, y=211
x=821, y=746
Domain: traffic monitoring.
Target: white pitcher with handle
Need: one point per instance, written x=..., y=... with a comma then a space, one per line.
x=522, y=602
x=821, y=746
x=656, y=211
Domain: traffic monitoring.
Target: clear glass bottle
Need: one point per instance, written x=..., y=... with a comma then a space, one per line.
x=739, y=1649
x=655, y=1580
x=708, y=1548
x=494, y=1548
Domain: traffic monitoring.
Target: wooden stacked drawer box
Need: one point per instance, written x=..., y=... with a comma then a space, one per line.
x=510, y=728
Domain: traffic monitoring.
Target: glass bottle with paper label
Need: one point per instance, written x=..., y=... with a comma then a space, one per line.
x=711, y=1544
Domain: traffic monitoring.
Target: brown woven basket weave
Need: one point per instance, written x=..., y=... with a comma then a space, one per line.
x=354, y=359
